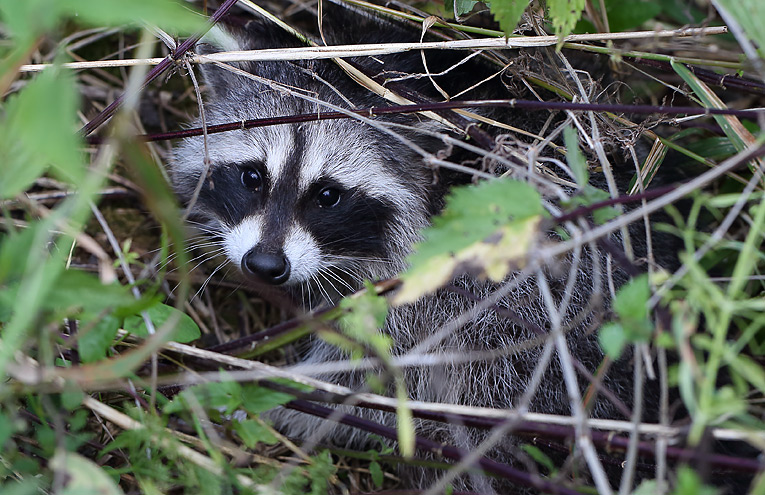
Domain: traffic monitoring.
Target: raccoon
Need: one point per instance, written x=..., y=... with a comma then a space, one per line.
x=314, y=209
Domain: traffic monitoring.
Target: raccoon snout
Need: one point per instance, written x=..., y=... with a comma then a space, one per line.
x=268, y=267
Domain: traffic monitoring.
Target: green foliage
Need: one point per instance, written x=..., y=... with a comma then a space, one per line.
x=539, y=457
x=748, y=15
x=688, y=483
x=633, y=323
x=460, y=7
x=46, y=107
x=508, y=12
x=252, y=432
x=160, y=314
x=564, y=15
x=484, y=229
x=362, y=318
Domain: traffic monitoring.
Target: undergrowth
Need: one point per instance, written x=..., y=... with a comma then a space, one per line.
x=130, y=363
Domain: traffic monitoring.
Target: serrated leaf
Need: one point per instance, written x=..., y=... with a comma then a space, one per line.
x=186, y=330
x=631, y=300
x=225, y=395
x=82, y=475
x=612, y=339
x=564, y=15
x=484, y=230
x=507, y=13
x=256, y=399
x=253, y=433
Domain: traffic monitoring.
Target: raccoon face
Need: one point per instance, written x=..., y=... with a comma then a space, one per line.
x=321, y=204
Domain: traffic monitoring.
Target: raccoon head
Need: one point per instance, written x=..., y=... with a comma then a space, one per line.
x=322, y=205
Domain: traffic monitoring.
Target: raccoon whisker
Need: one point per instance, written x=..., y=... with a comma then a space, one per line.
x=319, y=286
x=326, y=275
x=214, y=252
x=329, y=273
x=201, y=245
x=207, y=280
x=357, y=259
x=356, y=278
x=209, y=255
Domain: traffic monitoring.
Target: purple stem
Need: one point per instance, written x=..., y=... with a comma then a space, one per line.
x=446, y=105
x=448, y=451
x=155, y=72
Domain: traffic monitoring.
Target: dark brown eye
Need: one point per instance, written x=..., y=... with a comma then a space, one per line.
x=328, y=197
x=251, y=179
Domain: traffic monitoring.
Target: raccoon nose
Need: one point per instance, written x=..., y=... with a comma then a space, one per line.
x=271, y=268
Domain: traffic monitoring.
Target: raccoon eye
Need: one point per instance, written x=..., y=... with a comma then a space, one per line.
x=251, y=179
x=328, y=197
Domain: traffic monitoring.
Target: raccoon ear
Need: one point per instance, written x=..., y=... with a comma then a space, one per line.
x=219, y=79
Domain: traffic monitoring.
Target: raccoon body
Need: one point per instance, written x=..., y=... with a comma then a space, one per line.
x=316, y=208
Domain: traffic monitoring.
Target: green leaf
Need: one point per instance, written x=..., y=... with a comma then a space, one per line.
x=256, y=399
x=225, y=395
x=253, y=433
x=750, y=17
x=689, y=483
x=574, y=156
x=362, y=318
x=71, y=397
x=631, y=300
x=485, y=230
x=630, y=14
x=44, y=111
x=185, y=328
x=319, y=471
x=16, y=246
x=165, y=13
x=76, y=291
x=612, y=339
x=377, y=474
x=7, y=428
x=647, y=487
x=564, y=15
x=24, y=487
x=82, y=475
x=460, y=7
x=94, y=342
x=507, y=13
x=539, y=457
x=28, y=19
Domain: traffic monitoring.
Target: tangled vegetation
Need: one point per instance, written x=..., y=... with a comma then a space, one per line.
x=131, y=363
